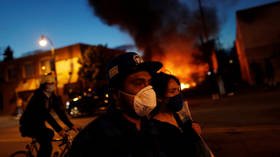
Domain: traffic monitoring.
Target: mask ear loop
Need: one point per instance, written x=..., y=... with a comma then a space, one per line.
x=132, y=95
x=125, y=93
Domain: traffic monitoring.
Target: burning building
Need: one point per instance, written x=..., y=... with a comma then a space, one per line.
x=257, y=42
x=168, y=31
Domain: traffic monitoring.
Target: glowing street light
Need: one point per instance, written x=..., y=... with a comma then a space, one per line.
x=44, y=41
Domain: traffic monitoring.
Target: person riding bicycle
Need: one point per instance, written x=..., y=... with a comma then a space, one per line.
x=38, y=111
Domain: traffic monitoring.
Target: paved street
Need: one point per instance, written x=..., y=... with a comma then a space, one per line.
x=10, y=139
x=244, y=125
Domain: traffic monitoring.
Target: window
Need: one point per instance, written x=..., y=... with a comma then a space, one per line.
x=45, y=67
x=29, y=70
x=12, y=73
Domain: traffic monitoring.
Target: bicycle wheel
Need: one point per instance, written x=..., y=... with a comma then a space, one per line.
x=21, y=153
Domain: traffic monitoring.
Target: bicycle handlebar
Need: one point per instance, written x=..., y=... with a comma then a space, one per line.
x=66, y=138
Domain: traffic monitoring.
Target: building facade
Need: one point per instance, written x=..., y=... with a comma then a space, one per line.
x=258, y=43
x=20, y=77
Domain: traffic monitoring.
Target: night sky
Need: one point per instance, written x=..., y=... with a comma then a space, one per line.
x=68, y=22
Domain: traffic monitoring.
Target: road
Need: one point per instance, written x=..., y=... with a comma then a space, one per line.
x=10, y=139
x=244, y=125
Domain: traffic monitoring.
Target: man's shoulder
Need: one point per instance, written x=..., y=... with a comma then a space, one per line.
x=104, y=122
x=103, y=126
x=38, y=94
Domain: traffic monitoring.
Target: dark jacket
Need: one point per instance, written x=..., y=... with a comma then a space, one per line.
x=38, y=110
x=111, y=135
x=174, y=142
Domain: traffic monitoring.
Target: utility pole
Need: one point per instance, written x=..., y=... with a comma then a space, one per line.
x=208, y=48
x=204, y=26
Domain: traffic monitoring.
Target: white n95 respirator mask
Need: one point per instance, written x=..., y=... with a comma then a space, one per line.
x=144, y=101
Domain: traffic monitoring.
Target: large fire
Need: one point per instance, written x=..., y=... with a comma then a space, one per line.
x=181, y=65
x=168, y=31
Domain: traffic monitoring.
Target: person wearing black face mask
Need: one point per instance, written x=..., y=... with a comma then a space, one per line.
x=175, y=103
x=170, y=101
x=124, y=130
x=178, y=132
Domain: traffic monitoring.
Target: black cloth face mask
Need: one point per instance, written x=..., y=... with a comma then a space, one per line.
x=175, y=103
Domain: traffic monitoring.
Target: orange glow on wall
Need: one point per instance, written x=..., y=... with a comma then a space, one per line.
x=67, y=71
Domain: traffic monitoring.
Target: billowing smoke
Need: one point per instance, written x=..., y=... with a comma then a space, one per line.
x=162, y=29
x=154, y=23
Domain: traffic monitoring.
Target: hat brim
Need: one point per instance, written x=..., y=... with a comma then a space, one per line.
x=150, y=66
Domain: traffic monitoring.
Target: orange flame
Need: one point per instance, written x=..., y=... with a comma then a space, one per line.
x=181, y=65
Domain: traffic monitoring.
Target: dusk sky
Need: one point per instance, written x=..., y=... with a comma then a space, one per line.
x=68, y=22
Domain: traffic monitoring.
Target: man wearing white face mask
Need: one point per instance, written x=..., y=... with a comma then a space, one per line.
x=143, y=101
x=121, y=131
x=37, y=112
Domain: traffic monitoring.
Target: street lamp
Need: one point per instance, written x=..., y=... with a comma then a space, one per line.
x=44, y=41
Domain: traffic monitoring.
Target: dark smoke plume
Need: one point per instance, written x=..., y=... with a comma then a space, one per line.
x=155, y=24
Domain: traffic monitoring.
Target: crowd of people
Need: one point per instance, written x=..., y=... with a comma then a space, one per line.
x=148, y=116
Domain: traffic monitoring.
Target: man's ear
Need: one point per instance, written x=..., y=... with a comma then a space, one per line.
x=160, y=100
x=114, y=93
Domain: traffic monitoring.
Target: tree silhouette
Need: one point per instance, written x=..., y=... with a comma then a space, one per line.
x=8, y=54
x=93, y=65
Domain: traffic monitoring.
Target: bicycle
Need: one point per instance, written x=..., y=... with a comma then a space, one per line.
x=31, y=149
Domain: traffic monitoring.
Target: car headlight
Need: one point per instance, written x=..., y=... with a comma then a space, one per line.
x=76, y=99
x=67, y=104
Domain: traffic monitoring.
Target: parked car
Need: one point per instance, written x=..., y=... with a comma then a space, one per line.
x=88, y=104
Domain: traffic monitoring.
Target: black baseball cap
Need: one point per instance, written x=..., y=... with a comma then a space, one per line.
x=128, y=63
